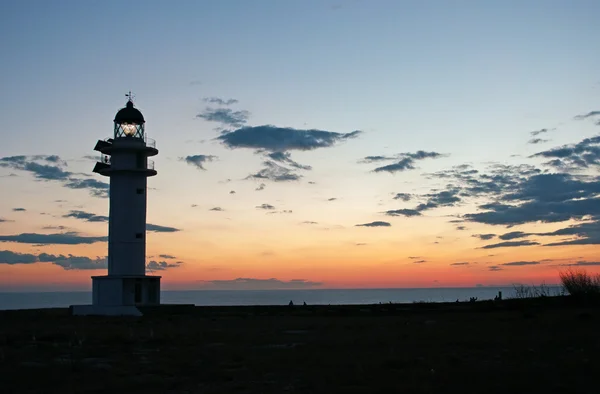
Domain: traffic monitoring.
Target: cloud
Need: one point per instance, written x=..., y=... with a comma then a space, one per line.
x=91, y=217
x=67, y=238
x=538, y=132
x=162, y=265
x=96, y=188
x=590, y=114
x=535, y=141
x=260, y=284
x=167, y=256
x=232, y=192
x=219, y=209
x=160, y=229
x=10, y=258
x=494, y=268
x=309, y=222
x=374, y=224
x=282, y=211
x=520, y=263
x=460, y=264
x=513, y=235
x=402, y=196
x=53, y=172
x=225, y=116
x=274, y=172
x=199, y=160
x=332, y=199
x=484, y=237
x=265, y=206
x=19, y=209
x=547, y=198
x=443, y=198
x=403, y=165
x=220, y=101
x=510, y=244
x=275, y=142
x=403, y=212
x=54, y=228
x=586, y=263
x=260, y=187
x=285, y=158
x=581, y=155
x=281, y=139
x=419, y=261
x=71, y=262
x=375, y=159
x=406, y=161
x=87, y=216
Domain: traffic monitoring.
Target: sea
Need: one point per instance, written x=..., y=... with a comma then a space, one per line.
x=16, y=300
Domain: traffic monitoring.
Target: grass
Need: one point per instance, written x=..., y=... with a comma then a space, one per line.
x=580, y=284
x=485, y=346
x=541, y=341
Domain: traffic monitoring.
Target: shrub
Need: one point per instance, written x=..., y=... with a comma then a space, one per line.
x=579, y=283
x=543, y=290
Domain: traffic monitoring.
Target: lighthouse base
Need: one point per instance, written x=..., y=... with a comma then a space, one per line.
x=114, y=295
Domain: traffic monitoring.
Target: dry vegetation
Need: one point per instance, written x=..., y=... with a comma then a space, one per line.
x=545, y=345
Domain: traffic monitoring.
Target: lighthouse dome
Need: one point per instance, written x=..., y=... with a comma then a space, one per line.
x=129, y=115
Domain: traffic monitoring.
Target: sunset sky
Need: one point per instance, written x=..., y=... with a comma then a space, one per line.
x=325, y=144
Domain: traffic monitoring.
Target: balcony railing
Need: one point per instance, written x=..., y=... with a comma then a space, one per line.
x=150, y=164
x=150, y=142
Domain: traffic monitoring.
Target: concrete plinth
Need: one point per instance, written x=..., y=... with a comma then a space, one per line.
x=121, y=295
x=102, y=310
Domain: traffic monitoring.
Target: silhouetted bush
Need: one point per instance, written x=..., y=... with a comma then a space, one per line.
x=543, y=290
x=580, y=284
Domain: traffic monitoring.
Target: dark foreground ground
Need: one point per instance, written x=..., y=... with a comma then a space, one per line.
x=517, y=346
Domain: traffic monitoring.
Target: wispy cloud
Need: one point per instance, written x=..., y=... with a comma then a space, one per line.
x=220, y=101
x=403, y=212
x=274, y=172
x=484, y=237
x=403, y=196
x=405, y=161
x=198, y=161
x=162, y=265
x=263, y=284
x=281, y=139
x=535, y=141
x=72, y=262
x=50, y=169
x=374, y=224
x=510, y=244
x=225, y=116
x=67, y=238
x=520, y=263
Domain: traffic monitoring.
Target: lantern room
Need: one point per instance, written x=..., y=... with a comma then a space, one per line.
x=129, y=122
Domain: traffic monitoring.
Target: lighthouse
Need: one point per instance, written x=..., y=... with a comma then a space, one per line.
x=124, y=160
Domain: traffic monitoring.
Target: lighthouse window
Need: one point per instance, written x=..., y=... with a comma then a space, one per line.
x=139, y=235
x=140, y=191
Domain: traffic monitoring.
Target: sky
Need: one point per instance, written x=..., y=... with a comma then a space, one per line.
x=306, y=144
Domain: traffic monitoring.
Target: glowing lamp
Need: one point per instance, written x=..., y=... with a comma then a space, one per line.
x=129, y=122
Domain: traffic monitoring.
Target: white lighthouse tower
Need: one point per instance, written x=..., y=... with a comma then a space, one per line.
x=124, y=159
